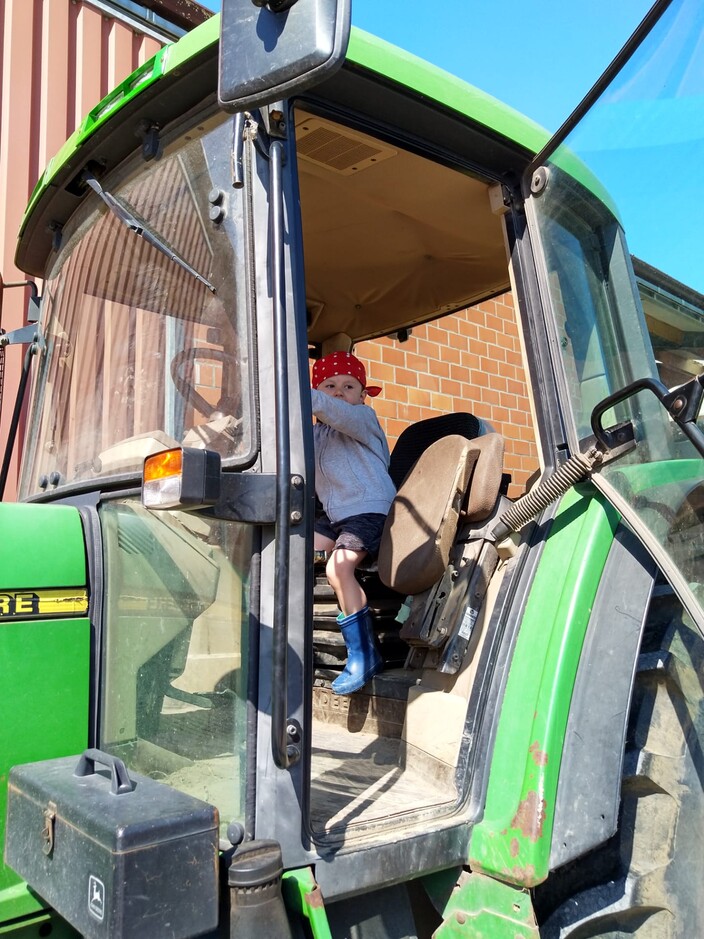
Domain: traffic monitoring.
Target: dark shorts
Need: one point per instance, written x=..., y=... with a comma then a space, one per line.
x=357, y=533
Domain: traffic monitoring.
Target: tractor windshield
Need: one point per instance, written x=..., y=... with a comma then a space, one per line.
x=140, y=315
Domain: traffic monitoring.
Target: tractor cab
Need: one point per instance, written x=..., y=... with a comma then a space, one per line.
x=548, y=503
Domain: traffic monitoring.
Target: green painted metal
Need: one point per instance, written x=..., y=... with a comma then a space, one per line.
x=44, y=663
x=192, y=44
x=434, y=83
x=484, y=908
x=40, y=546
x=440, y=885
x=644, y=476
x=39, y=927
x=45, y=678
x=512, y=842
x=302, y=895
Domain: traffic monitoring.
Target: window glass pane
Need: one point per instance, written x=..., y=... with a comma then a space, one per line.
x=618, y=318
x=140, y=353
x=175, y=634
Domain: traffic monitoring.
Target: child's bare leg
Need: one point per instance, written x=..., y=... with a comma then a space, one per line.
x=322, y=546
x=340, y=572
x=322, y=542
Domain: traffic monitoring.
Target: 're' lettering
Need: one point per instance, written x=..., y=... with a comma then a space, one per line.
x=19, y=604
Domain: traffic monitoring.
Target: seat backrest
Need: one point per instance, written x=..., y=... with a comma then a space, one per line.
x=453, y=476
x=418, y=437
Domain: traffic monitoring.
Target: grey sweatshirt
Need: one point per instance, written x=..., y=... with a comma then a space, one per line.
x=351, y=459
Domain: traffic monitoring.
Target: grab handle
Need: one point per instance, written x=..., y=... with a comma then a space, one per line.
x=120, y=781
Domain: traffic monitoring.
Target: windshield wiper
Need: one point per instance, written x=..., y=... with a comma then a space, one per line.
x=140, y=227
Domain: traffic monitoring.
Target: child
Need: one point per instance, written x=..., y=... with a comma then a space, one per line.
x=353, y=484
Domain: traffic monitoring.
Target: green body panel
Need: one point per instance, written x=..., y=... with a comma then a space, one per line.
x=512, y=842
x=434, y=83
x=44, y=683
x=484, y=908
x=302, y=895
x=44, y=924
x=644, y=476
x=44, y=662
x=41, y=546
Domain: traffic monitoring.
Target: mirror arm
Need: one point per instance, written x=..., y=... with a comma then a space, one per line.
x=682, y=404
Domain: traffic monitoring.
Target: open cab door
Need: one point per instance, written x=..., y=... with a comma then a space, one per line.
x=626, y=321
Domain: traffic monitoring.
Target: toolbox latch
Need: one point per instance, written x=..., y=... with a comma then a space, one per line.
x=48, y=830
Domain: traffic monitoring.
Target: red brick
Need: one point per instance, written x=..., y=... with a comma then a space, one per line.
x=430, y=350
x=384, y=408
x=469, y=329
x=438, y=367
x=460, y=372
x=429, y=382
x=419, y=396
x=490, y=396
x=479, y=379
x=394, y=356
x=436, y=334
x=394, y=392
x=489, y=365
x=406, y=378
x=442, y=403
x=453, y=388
x=487, y=335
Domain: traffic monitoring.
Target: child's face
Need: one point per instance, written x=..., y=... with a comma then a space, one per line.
x=345, y=387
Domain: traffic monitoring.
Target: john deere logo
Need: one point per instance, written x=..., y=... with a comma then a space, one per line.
x=20, y=604
x=96, y=897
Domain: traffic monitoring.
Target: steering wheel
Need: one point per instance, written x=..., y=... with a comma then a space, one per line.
x=186, y=388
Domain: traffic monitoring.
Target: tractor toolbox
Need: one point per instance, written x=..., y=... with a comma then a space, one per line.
x=116, y=855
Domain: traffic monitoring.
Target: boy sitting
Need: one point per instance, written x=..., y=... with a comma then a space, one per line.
x=353, y=484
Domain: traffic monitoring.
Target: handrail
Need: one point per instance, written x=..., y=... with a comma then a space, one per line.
x=284, y=754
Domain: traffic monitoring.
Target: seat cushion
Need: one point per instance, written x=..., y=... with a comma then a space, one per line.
x=416, y=438
x=422, y=521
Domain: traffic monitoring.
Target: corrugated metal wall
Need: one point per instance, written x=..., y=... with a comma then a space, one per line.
x=58, y=58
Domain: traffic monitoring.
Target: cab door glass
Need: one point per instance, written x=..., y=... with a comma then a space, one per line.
x=175, y=640
x=623, y=312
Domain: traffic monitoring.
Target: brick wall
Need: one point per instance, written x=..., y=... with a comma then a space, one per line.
x=470, y=361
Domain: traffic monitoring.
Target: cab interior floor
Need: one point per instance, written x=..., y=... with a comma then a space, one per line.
x=361, y=769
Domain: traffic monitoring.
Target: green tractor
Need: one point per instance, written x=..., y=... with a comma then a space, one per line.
x=272, y=187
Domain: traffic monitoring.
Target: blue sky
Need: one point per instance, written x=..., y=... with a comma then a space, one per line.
x=539, y=58
x=543, y=58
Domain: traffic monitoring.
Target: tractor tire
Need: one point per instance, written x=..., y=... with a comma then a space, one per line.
x=646, y=882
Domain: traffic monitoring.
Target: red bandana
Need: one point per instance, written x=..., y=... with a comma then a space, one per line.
x=342, y=363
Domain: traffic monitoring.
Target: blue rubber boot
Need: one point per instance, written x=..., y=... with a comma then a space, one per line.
x=363, y=659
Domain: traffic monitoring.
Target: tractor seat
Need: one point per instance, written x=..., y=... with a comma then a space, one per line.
x=419, y=436
x=453, y=477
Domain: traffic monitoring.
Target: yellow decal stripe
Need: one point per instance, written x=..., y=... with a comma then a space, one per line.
x=20, y=604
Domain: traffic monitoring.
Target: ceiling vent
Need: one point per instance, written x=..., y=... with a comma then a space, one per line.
x=338, y=149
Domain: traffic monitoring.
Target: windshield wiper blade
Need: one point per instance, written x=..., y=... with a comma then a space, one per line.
x=140, y=227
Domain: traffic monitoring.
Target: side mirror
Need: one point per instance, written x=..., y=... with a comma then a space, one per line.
x=271, y=48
